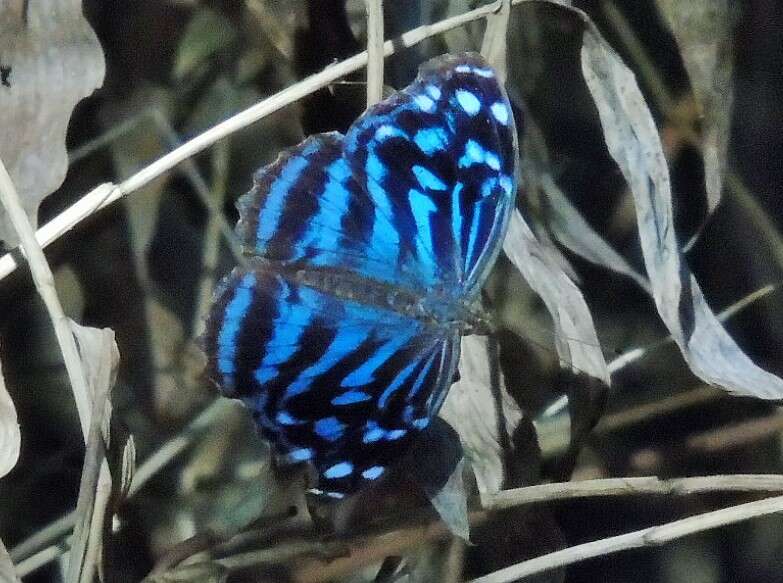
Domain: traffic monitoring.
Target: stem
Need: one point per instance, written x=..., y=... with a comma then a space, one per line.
x=632, y=486
x=647, y=537
x=44, y=283
x=374, y=51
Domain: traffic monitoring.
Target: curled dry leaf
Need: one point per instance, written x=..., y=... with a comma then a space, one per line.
x=100, y=359
x=574, y=232
x=50, y=59
x=436, y=463
x=10, y=438
x=575, y=337
x=634, y=143
x=704, y=30
x=451, y=503
x=471, y=409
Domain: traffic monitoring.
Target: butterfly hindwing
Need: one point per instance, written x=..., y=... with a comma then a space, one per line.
x=440, y=158
x=332, y=381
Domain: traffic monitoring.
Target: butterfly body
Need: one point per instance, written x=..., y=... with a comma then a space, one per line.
x=368, y=255
x=437, y=308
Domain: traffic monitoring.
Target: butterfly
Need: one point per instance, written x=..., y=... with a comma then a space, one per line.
x=368, y=252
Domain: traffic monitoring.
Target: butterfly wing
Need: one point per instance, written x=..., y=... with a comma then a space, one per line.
x=306, y=208
x=440, y=159
x=332, y=381
x=417, y=195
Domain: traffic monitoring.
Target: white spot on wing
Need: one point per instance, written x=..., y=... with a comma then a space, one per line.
x=500, y=112
x=481, y=72
x=339, y=470
x=425, y=103
x=433, y=91
x=468, y=101
x=372, y=473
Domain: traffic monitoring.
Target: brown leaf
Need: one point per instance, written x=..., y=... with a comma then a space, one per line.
x=50, y=59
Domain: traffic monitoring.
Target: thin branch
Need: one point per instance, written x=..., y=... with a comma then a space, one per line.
x=41, y=558
x=368, y=550
x=648, y=537
x=213, y=204
x=636, y=354
x=396, y=541
x=632, y=486
x=107, y=193
x=735, y=435
x=499, y=501
x=109, y=136
x=210, y=252
x=44, y=283
x=374, y=51
x=37, y=543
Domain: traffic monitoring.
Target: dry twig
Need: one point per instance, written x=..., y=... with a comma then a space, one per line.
x=374, y=51
x=647, y=537
x=44, y=283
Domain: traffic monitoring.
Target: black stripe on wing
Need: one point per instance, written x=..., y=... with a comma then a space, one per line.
x=335, y=382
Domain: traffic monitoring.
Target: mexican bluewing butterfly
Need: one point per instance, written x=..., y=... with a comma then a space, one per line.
x=368, y=253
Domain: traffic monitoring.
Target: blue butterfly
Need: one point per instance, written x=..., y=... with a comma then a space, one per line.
x=368, y=253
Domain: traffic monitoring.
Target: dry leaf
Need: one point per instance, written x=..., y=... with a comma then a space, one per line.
x=100, y=359
x=10, y=438
x=494, y=46
x=277, y=20
x=207, y=33
x=51, y=59
x=575, y=337
x=470, y=408
x=576, y=234
x=7, y=571
x=451, y=503
x=704, y=30
x=634, y=143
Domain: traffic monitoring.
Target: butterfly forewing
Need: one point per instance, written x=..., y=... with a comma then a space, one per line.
x=307, y=208
x=410, y=209
x=440, y=158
